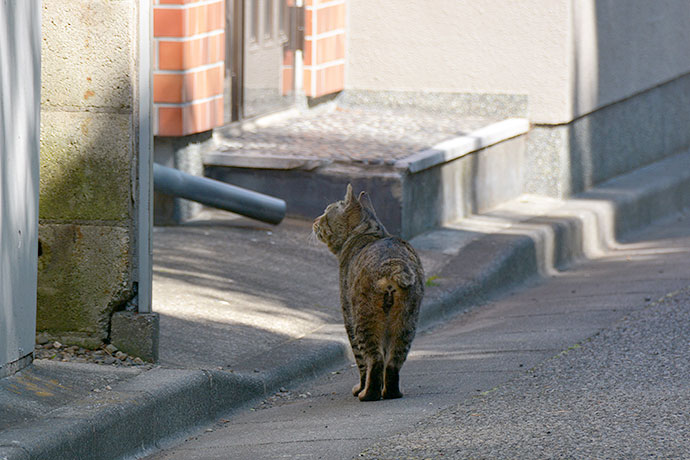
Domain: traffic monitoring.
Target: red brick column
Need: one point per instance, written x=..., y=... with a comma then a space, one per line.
x=324, y=47
x=189, y=41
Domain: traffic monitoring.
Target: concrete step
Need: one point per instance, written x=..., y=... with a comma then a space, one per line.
x=539, y=236
x=421, y=169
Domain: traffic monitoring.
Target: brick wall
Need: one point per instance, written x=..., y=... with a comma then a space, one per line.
x=288, y=70
x=324, y=47
x=189, y=53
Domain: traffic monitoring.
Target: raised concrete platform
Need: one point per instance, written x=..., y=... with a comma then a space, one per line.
x=423, y=168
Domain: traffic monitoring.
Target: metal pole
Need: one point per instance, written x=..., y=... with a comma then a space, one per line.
x=145, y=189
x=218, y=194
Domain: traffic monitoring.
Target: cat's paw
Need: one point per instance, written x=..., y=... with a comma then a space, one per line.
x=356, y=389
x=369, y=395
x=393, y=394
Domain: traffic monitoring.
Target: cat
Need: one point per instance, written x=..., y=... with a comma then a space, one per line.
x=381, y=289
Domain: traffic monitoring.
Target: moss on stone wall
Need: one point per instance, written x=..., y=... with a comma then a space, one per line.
x=85, y=166
x=88, y=159
x=84, y=274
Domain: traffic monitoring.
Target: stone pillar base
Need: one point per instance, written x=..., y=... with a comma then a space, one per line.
x=136, y=334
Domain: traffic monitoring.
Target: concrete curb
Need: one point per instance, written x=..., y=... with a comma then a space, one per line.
x=580, y=227
x=160, y=405
x=156, y=407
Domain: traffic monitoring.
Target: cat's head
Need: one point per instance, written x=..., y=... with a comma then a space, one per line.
x=346, y=218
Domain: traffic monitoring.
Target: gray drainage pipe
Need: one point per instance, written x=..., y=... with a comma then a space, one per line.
x=218, y=194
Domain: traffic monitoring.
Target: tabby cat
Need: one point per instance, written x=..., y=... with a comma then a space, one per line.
x=381, y=288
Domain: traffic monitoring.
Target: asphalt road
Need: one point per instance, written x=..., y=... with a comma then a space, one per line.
x=588, y=363
x=623, y=394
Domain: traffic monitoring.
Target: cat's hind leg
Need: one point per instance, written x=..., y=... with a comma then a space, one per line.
x=368, y=333
x=356, y=351
x=396, y=358
x=391, y=384
x=374, y=380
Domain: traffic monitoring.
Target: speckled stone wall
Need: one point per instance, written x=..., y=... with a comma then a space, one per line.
x=564, y=160
x=87, y=167
x=476, y=105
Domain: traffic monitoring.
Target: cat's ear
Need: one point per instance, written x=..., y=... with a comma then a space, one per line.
x=365, y=201
x=348, y=194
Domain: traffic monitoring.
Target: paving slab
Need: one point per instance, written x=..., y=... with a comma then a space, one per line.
x=366, y=135
x=222, y=282
x=47, y=385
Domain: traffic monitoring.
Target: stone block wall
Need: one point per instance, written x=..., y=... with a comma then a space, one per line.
x=89, y=150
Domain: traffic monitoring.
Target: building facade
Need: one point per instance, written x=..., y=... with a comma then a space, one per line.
x=604, y=83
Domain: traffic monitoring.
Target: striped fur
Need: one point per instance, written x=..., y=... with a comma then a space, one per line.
x=381, y=289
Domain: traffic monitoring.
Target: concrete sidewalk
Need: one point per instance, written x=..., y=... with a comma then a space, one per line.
x=246, y=309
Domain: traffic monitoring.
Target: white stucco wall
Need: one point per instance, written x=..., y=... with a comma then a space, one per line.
x=623, y=47
x=568, y=56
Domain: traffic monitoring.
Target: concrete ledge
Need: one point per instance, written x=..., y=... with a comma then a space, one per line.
x=646, y=194
x=567, y=159
x=469, y=184
x=455, y=104
x=533, y=236
x=308, y=192
x=221, y=158
x=142, y=413
x=455, y=148
x=457, y=177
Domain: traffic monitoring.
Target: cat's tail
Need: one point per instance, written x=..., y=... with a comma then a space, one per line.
x=399, y=272
x=398, y=277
